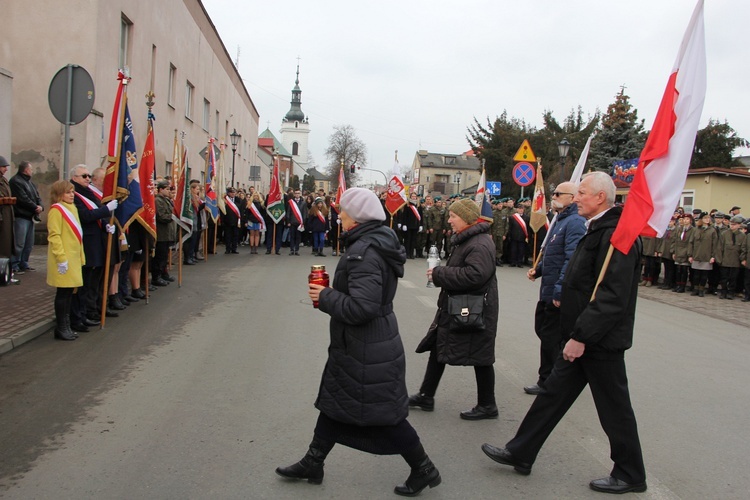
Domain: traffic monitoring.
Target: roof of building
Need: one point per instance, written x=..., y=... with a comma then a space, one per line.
x=267, y=134
x=448, y=160
x=735, y=172
x=317, y=175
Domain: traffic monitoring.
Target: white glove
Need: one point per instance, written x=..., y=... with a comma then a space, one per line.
x=398, y=226
x=420, y=229
x=112, y=205
x=62, y=268
x=404, y=228
x=110, y=227
x=338, y=221
x=301, y=228
x=139, y=252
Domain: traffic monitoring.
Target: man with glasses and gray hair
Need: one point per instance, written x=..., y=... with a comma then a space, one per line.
x=564, y=235
x=95, y=224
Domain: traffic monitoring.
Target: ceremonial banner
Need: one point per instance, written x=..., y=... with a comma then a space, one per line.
x=211, y=201
x=220, y=185
x=183, y=213
x=340, y=190
x=485, y=209
x=147, y=216
x=275, y=207
x=664, y=161
x=538, y=216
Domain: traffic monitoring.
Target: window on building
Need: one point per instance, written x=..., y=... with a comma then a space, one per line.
x=295, y=149
x=189, y=88
x=168, y=168
x=125, y=29
x=206, y=114
x=172, y=84
x=450, y=160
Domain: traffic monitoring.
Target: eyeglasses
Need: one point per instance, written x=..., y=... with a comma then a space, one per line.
x=558, y=193
x=85, y=176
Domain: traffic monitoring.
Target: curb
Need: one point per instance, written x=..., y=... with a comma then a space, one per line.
x=26, y=335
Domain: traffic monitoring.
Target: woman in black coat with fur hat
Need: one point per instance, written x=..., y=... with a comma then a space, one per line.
x=362, y=400
x=470, y=270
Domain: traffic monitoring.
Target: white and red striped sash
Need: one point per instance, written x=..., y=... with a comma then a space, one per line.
x=322, y=219
x=234, y=209
x=416, y=212
x=96, y=192
x=71, y=219
x=257, y=215
x=522, y=223
x=89, y=204
x=295, y=210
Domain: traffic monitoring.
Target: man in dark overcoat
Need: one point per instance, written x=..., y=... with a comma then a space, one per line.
x=599, y=320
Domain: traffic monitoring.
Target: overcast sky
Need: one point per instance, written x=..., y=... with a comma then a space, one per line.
x=413, y=74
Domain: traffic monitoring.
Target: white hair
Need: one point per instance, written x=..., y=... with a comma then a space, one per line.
x=601, y=181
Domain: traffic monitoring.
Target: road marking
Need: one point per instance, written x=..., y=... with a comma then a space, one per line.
x=407, y=284
x=427, y=301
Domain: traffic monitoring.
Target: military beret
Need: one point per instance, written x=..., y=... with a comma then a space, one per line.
x=719, y=215
x=162, y=184
x=703, y=214
x=737, y=219
x=697, y=211
x=4, y=162
x=438, y=198
x=726, y=216
x=735, y=208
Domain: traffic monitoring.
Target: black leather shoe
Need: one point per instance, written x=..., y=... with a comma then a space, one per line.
x=151, y=288
x=138, y=294
x=188, y=263
x=167, y=277
x=129, y=299
x=115, y=304
x=420, y=478
x=110, y=313
x=426, y=403
x=534, y=389
x=159, y=282
x=79, y=327
x=503, y=456
x=480, y=413
x=614, y=485
x=91, y=322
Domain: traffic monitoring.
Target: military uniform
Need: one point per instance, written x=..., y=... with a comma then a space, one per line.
x=731, y=255
x=679, y=251
x=499, y=231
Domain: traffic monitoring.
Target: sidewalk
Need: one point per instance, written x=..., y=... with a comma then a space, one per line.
x=27, y=307
x=26, y=310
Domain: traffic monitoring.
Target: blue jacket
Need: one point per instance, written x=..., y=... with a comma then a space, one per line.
x=562, y=242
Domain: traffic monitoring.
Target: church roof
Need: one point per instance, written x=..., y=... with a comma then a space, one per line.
x=295, y=113
x=317, y=175
x=267, y=134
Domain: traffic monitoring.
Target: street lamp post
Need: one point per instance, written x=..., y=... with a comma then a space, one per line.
x=458, y=182
x=235, y=137
x=563, y=147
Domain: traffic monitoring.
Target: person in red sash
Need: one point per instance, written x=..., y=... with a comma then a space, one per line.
x=231, y=220
x=518, y=235
x=65, y=257
x=255, y=221
x=317, y=222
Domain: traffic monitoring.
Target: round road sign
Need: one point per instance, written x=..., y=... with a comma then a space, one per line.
x=71, y=89
x=523, y=173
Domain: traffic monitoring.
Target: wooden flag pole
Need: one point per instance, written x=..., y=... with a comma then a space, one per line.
x=107, y=260
x=604, y=270
x=179, y=262
x=146, y=266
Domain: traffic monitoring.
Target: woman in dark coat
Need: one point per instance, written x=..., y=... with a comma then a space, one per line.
x=362, y=399
x=470, y=270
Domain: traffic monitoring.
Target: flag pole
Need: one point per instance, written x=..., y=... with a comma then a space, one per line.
x=146, y=266
x=107, y=261
x=179, y=261
x=604, y=270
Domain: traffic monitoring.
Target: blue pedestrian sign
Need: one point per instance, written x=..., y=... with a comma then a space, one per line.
x=523, y=173
x=494, y=188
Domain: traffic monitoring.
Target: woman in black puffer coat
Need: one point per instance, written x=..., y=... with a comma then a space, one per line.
x=469, y=270
x=362, y=399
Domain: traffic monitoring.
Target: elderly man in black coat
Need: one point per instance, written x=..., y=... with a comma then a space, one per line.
x=599, y=320
x=362, y=400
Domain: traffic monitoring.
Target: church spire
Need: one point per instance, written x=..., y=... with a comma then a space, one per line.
x=295, y=113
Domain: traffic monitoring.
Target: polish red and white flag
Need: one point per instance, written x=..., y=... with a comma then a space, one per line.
x=664, y=161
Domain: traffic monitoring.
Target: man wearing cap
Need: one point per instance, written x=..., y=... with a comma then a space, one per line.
x=662, y=251
x=166, y=232
x=27, y=209
x=702, y=249
x=735, y=210
x=499, y=229
x=679, y=251
x=7, y=200
x=731, y=255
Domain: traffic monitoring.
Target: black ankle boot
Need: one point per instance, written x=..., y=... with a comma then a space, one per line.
x=423, y=473
x=311, y=465
x=62, y=315
x=426, y=403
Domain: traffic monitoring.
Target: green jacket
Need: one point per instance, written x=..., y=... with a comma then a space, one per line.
x=732, y=248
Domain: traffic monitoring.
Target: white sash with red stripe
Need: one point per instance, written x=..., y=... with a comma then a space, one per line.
x=322, y=219
x=71, y=219
x=522, y=223
x=295, y=210
x=96, y=192
x=333, y=206
x=256, y=214
x=416, y=212
x=89, y=204
x=234, y=208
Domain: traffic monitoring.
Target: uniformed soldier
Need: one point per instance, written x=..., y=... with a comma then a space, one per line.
x=499, y=229
x=663, y=251
x=702, y=252
x=679, y=251
x=731, y=255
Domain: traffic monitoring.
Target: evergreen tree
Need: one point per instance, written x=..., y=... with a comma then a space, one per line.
x=715, y=144
x=308, y=183
x=621, y=136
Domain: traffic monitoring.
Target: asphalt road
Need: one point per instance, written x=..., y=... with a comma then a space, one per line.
x=204, y=391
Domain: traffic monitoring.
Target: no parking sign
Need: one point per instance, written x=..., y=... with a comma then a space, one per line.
x=524, y=173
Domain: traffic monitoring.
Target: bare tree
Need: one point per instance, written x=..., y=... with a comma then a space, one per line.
x=345, y=145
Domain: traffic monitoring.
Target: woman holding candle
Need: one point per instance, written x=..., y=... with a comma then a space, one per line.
x=362, y=399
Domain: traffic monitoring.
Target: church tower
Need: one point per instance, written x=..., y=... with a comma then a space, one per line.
x=295, y=128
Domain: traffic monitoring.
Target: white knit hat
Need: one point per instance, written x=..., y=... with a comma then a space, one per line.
x=362, y=205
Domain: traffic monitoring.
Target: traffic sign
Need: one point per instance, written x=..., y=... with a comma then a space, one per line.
x=525, y=153
x=523, y=173
x=494, y=188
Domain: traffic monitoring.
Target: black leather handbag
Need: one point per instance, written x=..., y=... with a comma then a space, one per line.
x=466, y=313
